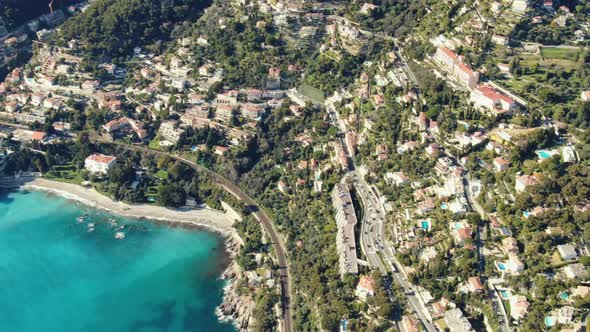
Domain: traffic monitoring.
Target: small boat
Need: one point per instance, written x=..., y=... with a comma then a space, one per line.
x=90, y=229
x=120, y=227
x=119, y=235
x=113, y=223
x=80, y=219
x=91, y=225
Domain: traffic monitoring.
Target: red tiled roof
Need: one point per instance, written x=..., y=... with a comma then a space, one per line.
x=38, y=136
x=101, y=158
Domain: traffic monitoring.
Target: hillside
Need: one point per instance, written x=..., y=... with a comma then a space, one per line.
x=114, y=28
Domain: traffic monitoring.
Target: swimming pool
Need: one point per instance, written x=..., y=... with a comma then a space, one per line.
x=549, y=321
x=501, y=266
x=564, y=296
x=504, y=293
x=444, y=206
x=526, y=214
x=544, y=154
x=425, y=225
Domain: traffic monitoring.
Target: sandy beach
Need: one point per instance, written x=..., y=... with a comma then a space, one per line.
x=208, y=218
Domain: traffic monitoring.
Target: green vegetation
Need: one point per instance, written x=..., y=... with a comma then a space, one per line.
x=565, y=53
x=65, y=173
x=311, y=92
x=112, y=28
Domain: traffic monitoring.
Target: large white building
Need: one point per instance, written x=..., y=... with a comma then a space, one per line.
x=99, y=163
x=345, y=220
x=170, y=132
x=485, y=96
x=456, y=67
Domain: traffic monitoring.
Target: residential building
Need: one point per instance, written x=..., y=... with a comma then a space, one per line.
x=501, y=164
x=456, y=67
x=398, y=178
x=524, y=181
x=62, y=127
x=510, y=245
x=520, y=6
x=30, y=117
x=576, y=271
x=170, y=131
x=365, y=288
x=346, y=221
x=474, y=285
x=38, y=136
x=124, y=122
x=99, y=163
x=514, y=264
x=456, y=321
x=90, y=85
x=500, y=40
x=567, y=251
x=519, y=307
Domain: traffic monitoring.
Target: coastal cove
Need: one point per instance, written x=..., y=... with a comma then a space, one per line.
x=158, y=277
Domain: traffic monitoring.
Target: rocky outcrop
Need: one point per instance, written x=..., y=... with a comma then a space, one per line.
x=234, y=307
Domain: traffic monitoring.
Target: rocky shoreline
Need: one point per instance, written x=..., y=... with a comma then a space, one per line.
x=234, y=307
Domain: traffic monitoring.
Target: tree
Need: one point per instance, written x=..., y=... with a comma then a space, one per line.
x=171, y=195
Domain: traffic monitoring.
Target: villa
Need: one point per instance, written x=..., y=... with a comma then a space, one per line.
x=567, y=251
x=519, y=306
x=501, y=164
x=524, y=181
x=99, y=163
x=576, y=271
x=365, y=288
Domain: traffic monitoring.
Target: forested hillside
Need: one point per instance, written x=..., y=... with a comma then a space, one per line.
x=115, y=27
x=17, y=12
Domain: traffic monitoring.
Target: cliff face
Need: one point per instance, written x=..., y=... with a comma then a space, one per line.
x=235, y=307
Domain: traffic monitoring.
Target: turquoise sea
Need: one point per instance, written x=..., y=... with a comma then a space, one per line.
x=55, y=275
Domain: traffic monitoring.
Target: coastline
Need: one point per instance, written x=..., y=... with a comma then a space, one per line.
x=210, y=219
x=234, y=308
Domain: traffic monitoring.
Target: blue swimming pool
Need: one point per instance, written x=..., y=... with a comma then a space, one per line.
x=505, y=294
x=549, y=321
x=526, y=214
x=425, y=225
x=444, y=206
x=543, y=154
x=564, y=296
x=502, y=267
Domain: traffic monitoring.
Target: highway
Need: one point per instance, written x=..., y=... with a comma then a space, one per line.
x=378, y=252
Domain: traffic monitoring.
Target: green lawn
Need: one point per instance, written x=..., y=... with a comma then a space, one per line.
x=162, y=174
x=571, y=54
x=65, y=173
x=311, y=92
x=155, y=144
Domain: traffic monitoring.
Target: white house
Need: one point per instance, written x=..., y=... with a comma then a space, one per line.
x=99, y=163
x=487, y=97
x=567, y=251
x=514, y=264
x=501, y=164
x=500, y=40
